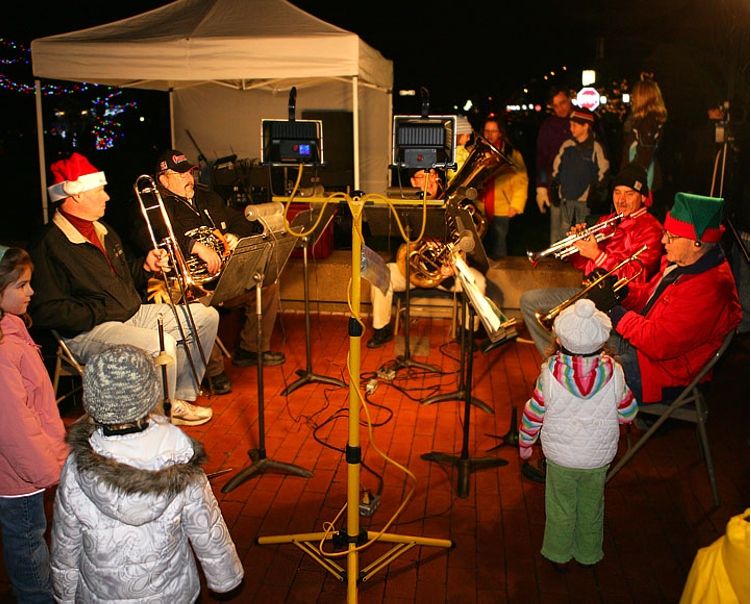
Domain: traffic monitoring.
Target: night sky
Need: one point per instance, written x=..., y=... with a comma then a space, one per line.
x=484, y=51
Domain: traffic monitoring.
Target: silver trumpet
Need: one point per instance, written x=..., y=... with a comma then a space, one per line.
x=565, y=247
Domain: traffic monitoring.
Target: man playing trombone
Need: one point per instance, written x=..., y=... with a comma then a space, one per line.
x=88, y=290
x=630, y=228
x=199, y=219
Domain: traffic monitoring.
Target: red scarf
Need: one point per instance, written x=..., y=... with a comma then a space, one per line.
x=86, y=228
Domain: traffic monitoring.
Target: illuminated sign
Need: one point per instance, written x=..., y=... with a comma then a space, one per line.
x=588, y=98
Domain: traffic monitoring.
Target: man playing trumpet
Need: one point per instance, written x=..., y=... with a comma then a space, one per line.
x=636, y=228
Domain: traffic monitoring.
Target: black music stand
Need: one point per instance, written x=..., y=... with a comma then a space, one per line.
x=281, y=247
x=465, y=227
x=250, y=256
x=464, y=463
x=461, y=391
x=305, y=220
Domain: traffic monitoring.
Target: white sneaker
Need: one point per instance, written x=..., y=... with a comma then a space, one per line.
x=184, y=413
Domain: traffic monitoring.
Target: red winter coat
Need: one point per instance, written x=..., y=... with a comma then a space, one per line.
x=684, y=327
x=638, y=229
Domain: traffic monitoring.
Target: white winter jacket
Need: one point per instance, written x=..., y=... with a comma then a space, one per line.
x=127, y=512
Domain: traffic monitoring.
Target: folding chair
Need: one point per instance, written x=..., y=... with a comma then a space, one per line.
x=427, y=302
x=66, y=365
x=677, y=409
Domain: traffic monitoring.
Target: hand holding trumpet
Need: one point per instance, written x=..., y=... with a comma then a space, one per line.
x=588, y=245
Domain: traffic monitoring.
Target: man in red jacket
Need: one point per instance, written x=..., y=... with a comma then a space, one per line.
x=685, y=311
x=637, y=228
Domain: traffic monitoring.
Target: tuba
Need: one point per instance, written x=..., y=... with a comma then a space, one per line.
x=429, y=255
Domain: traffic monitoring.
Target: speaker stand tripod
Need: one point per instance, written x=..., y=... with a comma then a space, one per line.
x=464, y=463
x=460, y=393
x=261, y=463
x=351, y=538
x=306, y=375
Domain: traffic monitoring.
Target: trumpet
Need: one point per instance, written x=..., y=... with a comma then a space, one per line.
x=565, y=247
x=595, y=280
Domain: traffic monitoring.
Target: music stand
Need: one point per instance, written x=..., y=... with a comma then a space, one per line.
x=281, y=245
x=464, y=463
x=249, y=257
x=466, y=228
x=305, y=220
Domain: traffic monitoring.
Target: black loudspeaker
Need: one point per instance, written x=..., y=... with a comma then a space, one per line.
x=339, y=172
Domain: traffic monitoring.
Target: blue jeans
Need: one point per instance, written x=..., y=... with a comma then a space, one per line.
x=495, y=238
x=27, y=559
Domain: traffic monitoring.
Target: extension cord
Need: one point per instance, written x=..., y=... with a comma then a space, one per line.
x=369, y=503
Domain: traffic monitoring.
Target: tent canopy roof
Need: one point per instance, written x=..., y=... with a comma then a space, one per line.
x=236, y=43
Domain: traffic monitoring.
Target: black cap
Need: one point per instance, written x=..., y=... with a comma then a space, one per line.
x=172, y=159
x=634, y=177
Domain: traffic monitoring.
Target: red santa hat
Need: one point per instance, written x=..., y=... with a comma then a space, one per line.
x=74, y=175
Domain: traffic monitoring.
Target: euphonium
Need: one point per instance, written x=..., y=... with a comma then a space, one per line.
x=213, y=239
x=594, y=280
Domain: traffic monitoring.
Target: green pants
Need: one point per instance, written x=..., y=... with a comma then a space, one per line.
x=574, y=511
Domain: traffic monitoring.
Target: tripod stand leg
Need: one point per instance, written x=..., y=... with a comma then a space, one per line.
x=306, y=375
x=261, y=463
x=511, y=438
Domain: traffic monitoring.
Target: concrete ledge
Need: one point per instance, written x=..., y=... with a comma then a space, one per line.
x=330, y=277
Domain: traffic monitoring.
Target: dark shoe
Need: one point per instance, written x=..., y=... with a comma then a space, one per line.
x=559, y=567
x=535, y=474
x=380, y=337
x=246, y=358
x=221, y=384
x=585, y=565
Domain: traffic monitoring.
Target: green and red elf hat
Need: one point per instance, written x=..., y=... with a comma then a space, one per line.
x=696, y=217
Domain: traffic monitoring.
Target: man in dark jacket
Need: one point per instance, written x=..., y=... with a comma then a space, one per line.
x=193, y=211
x=88, y=290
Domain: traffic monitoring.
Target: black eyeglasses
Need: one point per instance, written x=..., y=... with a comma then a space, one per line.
x=670, y=237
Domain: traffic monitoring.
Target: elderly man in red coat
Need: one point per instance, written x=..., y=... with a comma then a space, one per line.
x=685, y=311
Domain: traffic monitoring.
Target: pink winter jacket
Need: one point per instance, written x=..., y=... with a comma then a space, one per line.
x=32, y=440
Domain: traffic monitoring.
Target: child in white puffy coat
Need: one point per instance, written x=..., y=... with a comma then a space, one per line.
x=134, y=505
x=579, y=401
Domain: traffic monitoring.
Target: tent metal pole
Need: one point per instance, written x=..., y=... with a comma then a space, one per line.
x=171, y=118
x=40, y=149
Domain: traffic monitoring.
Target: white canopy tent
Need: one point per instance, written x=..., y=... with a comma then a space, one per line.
x=228, y=64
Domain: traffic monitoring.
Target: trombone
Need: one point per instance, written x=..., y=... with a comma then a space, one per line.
x=565, y=247
x=593, y=280
x=189, y=289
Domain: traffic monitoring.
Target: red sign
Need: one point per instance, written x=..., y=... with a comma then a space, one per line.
x=588, y=98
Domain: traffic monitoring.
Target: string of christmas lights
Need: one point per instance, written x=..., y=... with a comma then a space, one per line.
x=105, y=110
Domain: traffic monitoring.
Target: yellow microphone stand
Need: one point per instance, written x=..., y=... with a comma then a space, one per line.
x=354, y=539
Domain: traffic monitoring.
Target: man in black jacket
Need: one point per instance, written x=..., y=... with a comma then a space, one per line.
x=190, y=208
x=87, y=289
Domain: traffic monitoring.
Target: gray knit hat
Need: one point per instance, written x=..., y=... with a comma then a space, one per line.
x=120, y=385
x=462, y=125
x=581, y=328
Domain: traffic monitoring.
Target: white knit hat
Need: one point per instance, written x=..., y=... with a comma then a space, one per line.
x=120, y=385
x=462, y=125
x=581, y=328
